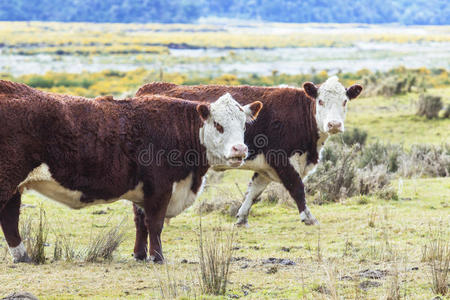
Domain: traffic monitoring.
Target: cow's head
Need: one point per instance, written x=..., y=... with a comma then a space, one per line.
x=331, y=103
x=223, y=129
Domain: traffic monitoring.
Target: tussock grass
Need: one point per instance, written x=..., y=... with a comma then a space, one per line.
x=103, y=245
x=64, y=248
x=223, y=201
x=393, y=291
x=429, y=106
x=215, y=250
x=331, y=280
x=437, y=254
x=35, y=236
x=171, y=287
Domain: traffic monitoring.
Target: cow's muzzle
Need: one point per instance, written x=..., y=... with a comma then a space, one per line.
x=238, y=154
x=334, y=127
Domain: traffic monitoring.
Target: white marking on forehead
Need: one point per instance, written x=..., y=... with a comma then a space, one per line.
x=227, y=107
x=332, y=85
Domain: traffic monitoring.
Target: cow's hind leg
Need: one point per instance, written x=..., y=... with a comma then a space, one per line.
x=141, y=243
x=255, y=188
x=9, y=219
x=154, y=220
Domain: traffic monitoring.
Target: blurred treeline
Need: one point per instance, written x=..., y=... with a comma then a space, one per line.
x=123, y=84
x=417, y=12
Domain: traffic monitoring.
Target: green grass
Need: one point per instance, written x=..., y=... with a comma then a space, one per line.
x=393, y=119
x=347, y=242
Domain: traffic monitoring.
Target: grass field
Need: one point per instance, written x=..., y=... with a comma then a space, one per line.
x=346, y=242
x=393, y=119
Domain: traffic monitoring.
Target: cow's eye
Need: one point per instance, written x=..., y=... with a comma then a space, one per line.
x=345, y=103
x=218, y=127
x=321, y=103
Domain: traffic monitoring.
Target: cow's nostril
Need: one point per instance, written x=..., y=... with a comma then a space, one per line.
x=334, y=124
x=240, y=149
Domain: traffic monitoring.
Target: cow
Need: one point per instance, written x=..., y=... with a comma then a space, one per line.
x=153, y=151
x=284, y=143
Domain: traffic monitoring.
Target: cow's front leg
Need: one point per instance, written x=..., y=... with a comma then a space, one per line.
x=294, y=184
x=307, y=217
x=255, y=188
x=9, y=219
x=154, y=219
x=140, y=245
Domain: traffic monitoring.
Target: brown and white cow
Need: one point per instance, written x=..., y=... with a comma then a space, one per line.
x=82, y=152
x=284, y=143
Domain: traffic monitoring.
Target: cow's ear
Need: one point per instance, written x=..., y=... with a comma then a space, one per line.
x=203, y=111
x=310, y=89
x=252, y=110
x=354, y=91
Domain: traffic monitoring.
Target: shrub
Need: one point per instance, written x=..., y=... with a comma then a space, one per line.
x=381, y=154
x=355, y=136
x=429, y=106
x=334, y=180
x=389, y=85
x=346, y=172
x=425, y=160
x=447, y=112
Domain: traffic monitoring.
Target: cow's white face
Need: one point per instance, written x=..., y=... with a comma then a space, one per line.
x=331, y=103
x=223, y=131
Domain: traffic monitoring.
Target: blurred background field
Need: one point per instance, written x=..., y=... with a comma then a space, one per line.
x=381, y=192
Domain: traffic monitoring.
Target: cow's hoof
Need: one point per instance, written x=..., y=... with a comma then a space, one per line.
x=140, y=256
x=156, y=260
x=308, y=218
x=310, y=222
x=242, y=223
x=23, y=259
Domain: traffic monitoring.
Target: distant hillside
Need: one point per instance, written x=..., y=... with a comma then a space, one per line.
x=419, y=12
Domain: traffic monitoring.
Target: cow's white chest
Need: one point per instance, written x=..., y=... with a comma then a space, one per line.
x=258, y=164
x=41, y=181
x=182, y=196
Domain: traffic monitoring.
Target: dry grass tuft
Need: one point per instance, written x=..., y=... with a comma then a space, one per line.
x=277, y=194
x=215, y=250
x=437, y=253
x=393, y=291
x=102, y=246
x=35, y=239
x=331, y=280
x=173, y=288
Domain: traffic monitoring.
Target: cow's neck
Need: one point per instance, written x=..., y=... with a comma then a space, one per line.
x=195, y=142
x=323, y=136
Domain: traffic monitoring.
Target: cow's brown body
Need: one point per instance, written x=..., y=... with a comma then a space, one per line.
x=94, y=146
x=285, y=126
